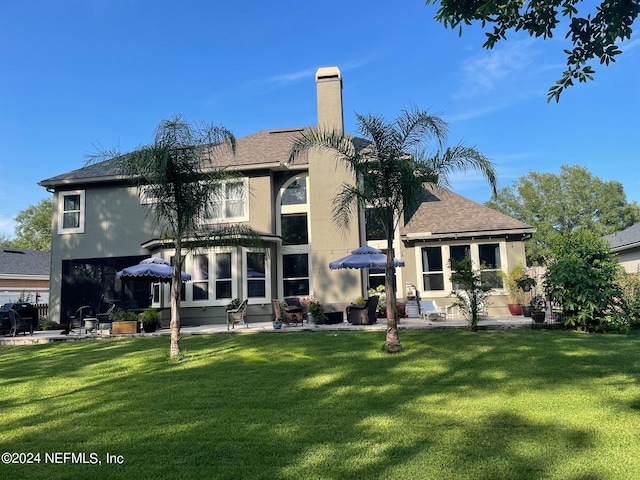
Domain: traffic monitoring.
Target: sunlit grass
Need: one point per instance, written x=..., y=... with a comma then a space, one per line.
x=486, y=405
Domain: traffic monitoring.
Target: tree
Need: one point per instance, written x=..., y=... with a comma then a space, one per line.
x=178, y=172
x=391, y=172
x=5, y=241
x=593, y=34
x=473, y=295
x=33, y=226
x=583, y=279
x=559, y=204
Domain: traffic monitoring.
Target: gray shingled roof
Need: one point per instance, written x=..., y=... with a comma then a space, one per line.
x=627, y=238
x=15, y=261
x=266, y=148
x=443, y=213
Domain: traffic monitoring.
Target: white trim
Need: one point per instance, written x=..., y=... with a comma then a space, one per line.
x=294, y=249
x=267, y=277
x=446, y=255
x=245, y=203
x=61, y=212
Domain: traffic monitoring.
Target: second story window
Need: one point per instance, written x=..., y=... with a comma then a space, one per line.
x=71, y=212
x=230, y=202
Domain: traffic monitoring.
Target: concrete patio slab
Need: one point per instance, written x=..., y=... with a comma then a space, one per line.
x=51, y=336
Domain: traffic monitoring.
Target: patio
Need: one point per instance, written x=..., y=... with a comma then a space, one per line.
x=49, y=336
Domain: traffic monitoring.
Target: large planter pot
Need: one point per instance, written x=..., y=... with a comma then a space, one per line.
x=514, y=309
x=124, y=327
x=277, y=324
x=150, y=327
x=538, y=317
x=526, y=310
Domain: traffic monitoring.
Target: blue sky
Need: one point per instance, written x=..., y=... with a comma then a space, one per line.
x=76, y=74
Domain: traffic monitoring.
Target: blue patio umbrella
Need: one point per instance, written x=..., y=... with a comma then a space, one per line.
x=364, y=257
x=154, y=269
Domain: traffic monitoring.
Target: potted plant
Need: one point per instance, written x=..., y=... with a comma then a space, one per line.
x=150, y=320
x=316, y=312
x=526, y=283
x=381, y=310
x=124, y=322
x=277, y=323
x=235, y=303
x=515, y=292
x=538, y=305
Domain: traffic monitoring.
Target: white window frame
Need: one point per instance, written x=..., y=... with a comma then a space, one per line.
x=61, y=212
x=294, y=249
x=445, y=249
x=146, y=195
x=267, y=276
x=245, y=203
x=212, y=301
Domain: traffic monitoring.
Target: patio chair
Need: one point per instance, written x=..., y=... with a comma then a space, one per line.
x=295, y=306
x=289, y=315
x=429, y=309
x=104, y=319
x=75, y=320
x=20, y=323
x=363, y=314
x=238, y=315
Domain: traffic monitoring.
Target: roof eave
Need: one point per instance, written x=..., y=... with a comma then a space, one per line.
x=426, y=236
x=628, y=246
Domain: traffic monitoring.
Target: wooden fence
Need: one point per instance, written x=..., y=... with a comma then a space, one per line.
x=43, y=309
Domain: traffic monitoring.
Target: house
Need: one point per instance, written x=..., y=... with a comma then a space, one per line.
x=100, y=226
x=626, y=245
x=24, y=274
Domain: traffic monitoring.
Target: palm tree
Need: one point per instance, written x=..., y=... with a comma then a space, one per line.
x=177, y=173
x=390, y=174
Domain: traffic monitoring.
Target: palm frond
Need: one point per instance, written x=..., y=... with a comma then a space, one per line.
x=333, y=141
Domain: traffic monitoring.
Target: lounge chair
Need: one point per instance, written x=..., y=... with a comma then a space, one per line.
x=429, y=309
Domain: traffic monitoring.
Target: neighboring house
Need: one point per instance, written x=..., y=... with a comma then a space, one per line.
x=100, y=227
x=24, y=274
x=626, y=245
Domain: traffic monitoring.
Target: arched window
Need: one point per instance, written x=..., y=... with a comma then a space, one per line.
x=295, y=264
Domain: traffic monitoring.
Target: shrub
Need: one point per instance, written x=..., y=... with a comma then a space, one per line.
x=471, y=299
x=583, y=280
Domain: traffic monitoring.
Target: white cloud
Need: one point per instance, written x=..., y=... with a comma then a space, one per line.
x=504, y=67
x=7, y=226
x=285, y=79
x=629, y=45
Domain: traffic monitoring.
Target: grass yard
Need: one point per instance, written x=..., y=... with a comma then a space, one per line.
x=454, y=405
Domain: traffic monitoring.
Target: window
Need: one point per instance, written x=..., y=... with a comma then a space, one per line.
x=295, y=193
x=377, y=276
x=373, y=226
x=294, y=230
x=71, y=212
x=458, y=253
x=256, y=274
x=432, y=269
x=295, y=273
x=229, y=202
x=224, y=286
x=200, y=278
x=490, y=265
x=436, y=271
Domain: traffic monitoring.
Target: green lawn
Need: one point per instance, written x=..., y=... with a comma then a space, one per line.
x=455, y=404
